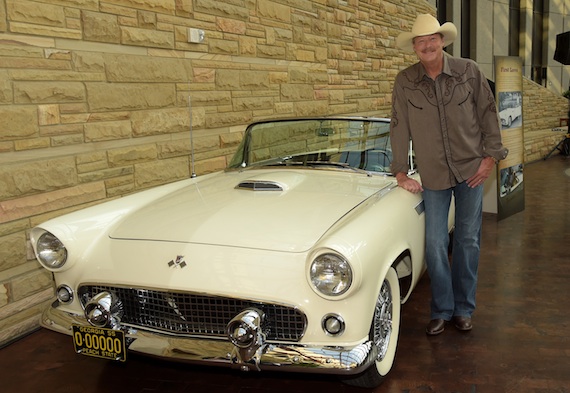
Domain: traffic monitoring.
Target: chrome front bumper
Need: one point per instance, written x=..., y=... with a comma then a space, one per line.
x=208, y=351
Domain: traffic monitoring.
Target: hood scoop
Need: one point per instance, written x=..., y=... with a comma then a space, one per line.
x=280, y=181
x=259, y=185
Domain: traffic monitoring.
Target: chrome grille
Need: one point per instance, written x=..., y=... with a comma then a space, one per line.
x=188, y=313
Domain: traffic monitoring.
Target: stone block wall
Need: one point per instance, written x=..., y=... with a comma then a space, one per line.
x=97, y=98
x=542, y=110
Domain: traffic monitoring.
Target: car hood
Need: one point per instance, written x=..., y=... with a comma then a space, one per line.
x=280, y=210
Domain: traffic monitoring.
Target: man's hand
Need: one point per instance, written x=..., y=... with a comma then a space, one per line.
x=482, y=173
x=408, y=184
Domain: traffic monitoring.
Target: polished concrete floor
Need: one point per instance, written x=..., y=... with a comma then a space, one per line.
x=520, y=342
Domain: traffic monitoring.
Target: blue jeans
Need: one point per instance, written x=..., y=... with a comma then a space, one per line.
x=453, y=286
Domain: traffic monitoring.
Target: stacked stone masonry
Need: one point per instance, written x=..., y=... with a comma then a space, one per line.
x=97, y=98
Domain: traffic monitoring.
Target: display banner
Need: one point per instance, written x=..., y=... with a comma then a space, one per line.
x=508, y=94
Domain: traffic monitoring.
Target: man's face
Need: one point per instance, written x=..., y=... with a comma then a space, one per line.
x=429, y=48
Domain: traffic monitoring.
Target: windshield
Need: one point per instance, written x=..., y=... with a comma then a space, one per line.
x=342, y=143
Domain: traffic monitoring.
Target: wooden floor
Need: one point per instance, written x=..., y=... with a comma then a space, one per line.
x=520, y=341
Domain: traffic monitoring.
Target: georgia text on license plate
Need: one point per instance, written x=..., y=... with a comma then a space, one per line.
x=99, y=342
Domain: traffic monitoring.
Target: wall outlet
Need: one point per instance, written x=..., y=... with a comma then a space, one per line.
x=196, y=35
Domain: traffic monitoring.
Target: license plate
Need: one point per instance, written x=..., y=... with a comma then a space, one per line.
x=99, y=342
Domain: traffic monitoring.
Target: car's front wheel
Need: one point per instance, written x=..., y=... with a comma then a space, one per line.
x=383, y=333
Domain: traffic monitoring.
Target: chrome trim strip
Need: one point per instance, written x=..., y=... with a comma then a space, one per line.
x=281, y=356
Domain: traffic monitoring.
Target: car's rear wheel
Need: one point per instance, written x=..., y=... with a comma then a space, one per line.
x=383, y=333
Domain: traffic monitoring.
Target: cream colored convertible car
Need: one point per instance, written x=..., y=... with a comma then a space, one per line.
x=295, y=258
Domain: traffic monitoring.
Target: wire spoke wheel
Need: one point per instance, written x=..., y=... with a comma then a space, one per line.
x=383, y=320
x=383, y=333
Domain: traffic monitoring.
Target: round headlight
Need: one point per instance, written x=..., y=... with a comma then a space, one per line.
x=331, y=274
x=50, y=251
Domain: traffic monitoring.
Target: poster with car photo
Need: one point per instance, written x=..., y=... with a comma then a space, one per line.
x=508, y=92
x=510, y=109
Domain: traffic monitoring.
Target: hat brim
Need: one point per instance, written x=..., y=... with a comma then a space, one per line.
x=447, y=30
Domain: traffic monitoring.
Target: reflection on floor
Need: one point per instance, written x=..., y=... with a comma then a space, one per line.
x=520, y=341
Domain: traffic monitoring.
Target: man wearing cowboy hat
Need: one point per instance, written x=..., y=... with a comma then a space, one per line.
x=446, y=107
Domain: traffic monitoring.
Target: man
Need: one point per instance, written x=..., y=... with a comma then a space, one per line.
x=445, y=105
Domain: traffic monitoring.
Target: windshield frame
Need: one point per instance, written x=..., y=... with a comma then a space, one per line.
x=359, y=144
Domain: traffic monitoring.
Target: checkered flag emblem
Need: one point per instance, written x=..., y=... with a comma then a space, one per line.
x=179, y=262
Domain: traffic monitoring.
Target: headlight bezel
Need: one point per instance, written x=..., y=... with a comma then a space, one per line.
x=331, y=274
x=50, y=252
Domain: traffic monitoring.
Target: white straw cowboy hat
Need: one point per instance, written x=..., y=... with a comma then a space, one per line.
x=426, y=24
